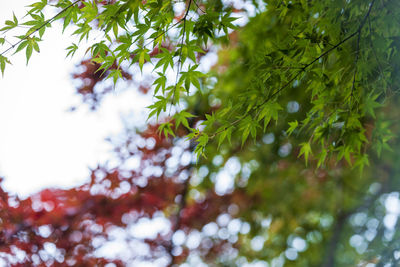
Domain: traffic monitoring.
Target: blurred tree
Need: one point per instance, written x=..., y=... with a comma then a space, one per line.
x=312, y=79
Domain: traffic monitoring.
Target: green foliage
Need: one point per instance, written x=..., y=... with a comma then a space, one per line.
x=3, y=62
x=299, y=47
x=305, y=150
x=338, y=67
x=11, y=24
x=29, y=44
x=318, y=78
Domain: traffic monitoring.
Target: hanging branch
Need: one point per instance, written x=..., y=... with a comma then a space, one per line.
x=358, y=32
x=180, y=54
x=303, y=69
x=198, y=6
x=373, y=49
x=182, y=40
x=355, y=66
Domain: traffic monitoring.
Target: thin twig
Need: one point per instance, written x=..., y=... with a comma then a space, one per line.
x=180, y=54
x=199, y=7
x=325, y=53
x=303, y=69
x=308, y=65
x=39, y=28
x=358, y=48
x=230, y=125
x=355, y=66
x=8, y=42
x=163, y=32
x=373, y=49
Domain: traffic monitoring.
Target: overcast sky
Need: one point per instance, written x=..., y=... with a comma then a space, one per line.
x=41, y=144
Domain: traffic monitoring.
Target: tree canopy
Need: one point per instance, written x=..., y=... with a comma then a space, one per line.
x=219, y=160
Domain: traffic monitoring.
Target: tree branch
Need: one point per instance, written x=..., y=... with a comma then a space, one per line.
x=325, y=53
x=355, y=66
x=180, y=52
x=358, y=48
x=303, y=69
x=373, y=49
x=341, y=221
x=332, y=246
x=198, y=6
x=40, y=27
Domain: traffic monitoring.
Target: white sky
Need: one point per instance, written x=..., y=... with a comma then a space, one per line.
x=41, y=144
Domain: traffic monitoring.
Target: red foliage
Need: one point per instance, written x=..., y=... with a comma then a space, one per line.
x=91, y=89
x=66, y=227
